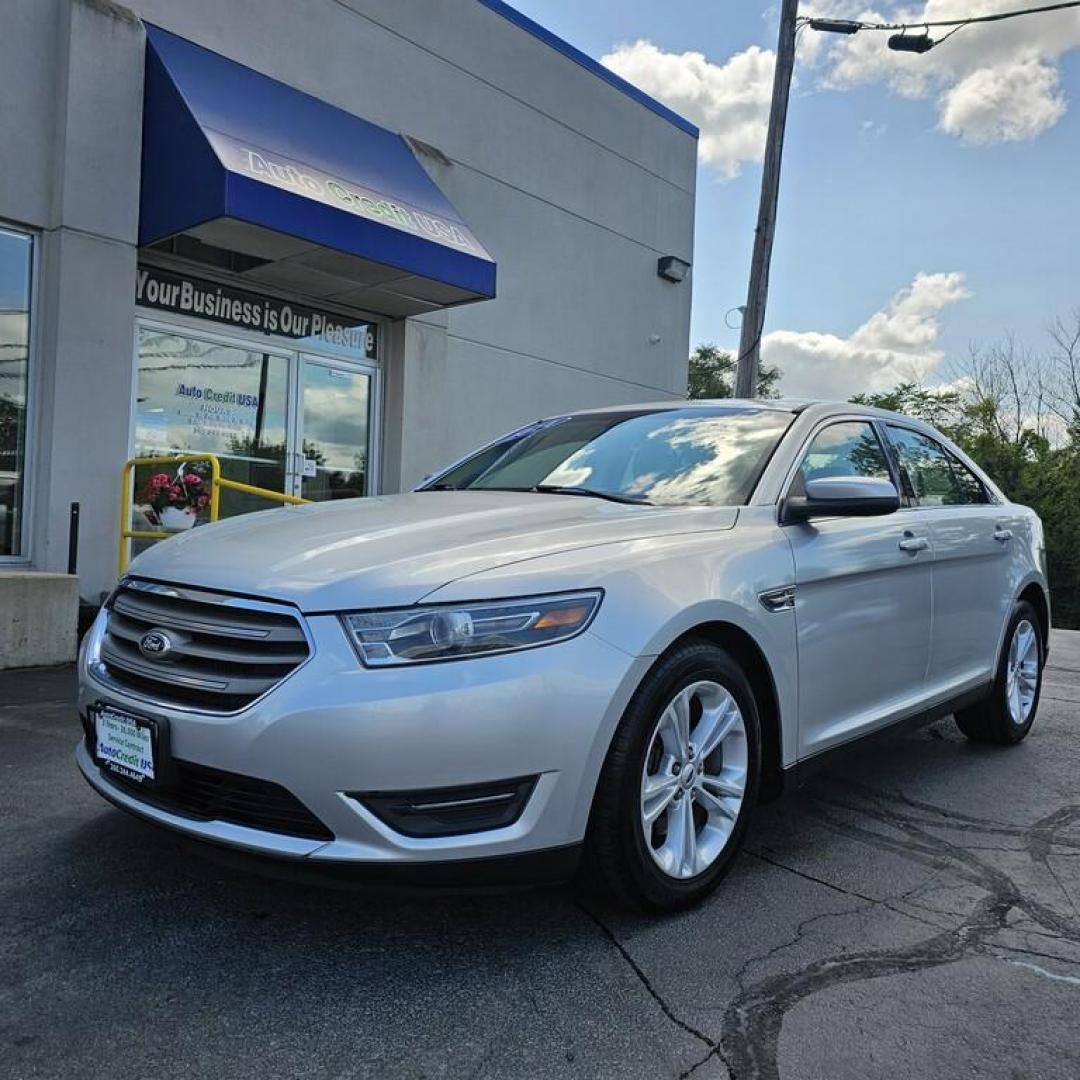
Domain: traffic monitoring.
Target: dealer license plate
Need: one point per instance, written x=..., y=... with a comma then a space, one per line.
x=126, y=744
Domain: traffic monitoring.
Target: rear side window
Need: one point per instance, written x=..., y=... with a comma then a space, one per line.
x=931, y=475
x=972, y=489
x=850, y=448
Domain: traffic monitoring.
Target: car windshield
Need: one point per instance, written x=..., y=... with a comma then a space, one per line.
x=695, y=455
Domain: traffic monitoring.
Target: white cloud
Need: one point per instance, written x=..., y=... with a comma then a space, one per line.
x=729, y=102
x=1009, y=104
x=996, y=82
x=896, y=344
x=991, y=83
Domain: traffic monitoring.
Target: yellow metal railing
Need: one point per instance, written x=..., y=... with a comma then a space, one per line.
x=217, y=482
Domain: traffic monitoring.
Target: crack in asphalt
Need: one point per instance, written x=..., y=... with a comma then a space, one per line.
x=810, y=877
x=714, y=1049
x=753, y=1019
x=752, y=1022
x=800, y=932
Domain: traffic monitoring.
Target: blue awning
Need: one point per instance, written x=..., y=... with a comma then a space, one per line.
x=319, y=200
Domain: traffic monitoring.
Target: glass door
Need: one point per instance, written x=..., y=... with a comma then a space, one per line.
x=284, y=420
x=334, y=430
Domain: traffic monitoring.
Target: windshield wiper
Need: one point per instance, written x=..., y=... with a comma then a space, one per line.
x=611, y=496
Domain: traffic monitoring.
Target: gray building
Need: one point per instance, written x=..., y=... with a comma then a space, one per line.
x=334, y=242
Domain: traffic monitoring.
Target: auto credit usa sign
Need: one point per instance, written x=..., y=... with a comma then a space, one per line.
x=167, y=290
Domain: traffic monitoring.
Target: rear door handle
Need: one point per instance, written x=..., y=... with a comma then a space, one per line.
x=914, y=544
x=1003, y=536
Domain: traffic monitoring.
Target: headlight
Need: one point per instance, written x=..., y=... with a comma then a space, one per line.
x=454, y=632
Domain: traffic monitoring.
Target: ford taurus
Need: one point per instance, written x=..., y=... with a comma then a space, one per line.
x=596, y=642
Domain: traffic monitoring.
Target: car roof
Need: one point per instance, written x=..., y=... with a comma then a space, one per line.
x=733, y=404
x=820, y=407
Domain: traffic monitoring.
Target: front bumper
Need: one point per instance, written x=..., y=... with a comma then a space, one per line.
x=334, y=727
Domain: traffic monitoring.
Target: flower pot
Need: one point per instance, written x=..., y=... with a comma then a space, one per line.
x=175, y=519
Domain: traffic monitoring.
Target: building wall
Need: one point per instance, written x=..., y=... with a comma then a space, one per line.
x=574, y=187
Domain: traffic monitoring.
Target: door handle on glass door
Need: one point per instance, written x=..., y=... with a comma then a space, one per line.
x=914, y=544
x=1002, y=536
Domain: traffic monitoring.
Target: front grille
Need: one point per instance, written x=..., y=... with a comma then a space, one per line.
x=222, y=652
x=197, y=791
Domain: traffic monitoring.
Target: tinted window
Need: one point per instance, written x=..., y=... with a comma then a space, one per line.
x=470, y=470
x=931, y=475
x=970, y=487
x=851, y=448
x=671, y=456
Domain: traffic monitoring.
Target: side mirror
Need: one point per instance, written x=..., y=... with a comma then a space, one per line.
x=841, y=496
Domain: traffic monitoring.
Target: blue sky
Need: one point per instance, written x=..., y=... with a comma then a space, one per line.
x=874, y=192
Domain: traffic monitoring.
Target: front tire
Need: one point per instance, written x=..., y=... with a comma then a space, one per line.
x=679, y=781
x=1006, y=716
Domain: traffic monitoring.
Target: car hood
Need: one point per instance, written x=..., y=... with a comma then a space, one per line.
x=395, y=549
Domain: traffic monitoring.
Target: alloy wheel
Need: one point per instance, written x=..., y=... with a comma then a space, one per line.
x=694, y=779
x=1022, y=672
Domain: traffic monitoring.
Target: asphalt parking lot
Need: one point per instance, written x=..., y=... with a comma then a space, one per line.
x=914, y=912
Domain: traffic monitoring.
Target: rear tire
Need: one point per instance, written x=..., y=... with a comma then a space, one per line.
x=669, y=816
x=1006, y=715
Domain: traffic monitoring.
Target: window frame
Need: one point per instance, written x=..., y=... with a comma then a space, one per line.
x=34, y=376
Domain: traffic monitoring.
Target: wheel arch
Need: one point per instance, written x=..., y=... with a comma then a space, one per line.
x=751, y=658
x=1035, y=595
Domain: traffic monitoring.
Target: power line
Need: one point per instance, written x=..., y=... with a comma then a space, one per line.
x=851, y=26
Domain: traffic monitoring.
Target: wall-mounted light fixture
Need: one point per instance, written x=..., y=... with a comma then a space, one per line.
x=672, y=268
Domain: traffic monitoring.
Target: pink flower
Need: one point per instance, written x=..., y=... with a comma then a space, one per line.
x=160, y=480
x=191, y=479
x=203, y=500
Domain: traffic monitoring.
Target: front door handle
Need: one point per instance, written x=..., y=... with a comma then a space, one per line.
x=1002, y=536
x=914, y=544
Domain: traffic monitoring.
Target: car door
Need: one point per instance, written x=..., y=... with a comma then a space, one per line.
x=862, y=598
x=972, y=537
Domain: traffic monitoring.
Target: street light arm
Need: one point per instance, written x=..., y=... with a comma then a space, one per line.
x=852, y=26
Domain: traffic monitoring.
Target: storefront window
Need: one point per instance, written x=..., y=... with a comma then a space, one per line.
x=16, y=253
x=199, y=396
x=276, y=418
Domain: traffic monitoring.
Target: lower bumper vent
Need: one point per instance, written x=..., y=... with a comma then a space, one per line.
x=450, y=811
x=207, y=794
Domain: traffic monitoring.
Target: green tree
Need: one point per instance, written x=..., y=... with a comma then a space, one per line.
x=712, y=375
x=942, y=408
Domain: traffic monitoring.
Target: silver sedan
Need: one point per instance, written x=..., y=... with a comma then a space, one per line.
x=596, y=642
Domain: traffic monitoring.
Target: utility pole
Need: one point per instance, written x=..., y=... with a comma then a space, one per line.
x=746, y=372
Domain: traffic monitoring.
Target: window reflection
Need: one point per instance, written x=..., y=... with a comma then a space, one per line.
x=850, y=448
x=336, y=407
x=931, y=474
x=674, y=456
x=198, y=396
x=15, y=266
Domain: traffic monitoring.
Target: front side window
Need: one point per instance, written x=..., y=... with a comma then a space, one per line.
x=849, y=448
x=931, y=475
x=16, y=255
x=677, y=456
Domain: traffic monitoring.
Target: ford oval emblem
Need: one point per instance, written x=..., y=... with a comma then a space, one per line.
x=155, y=644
